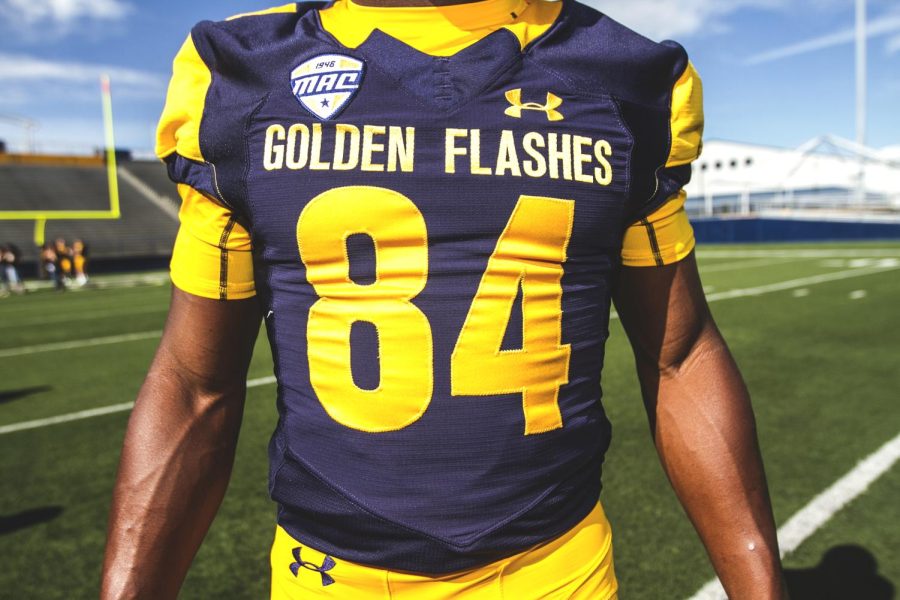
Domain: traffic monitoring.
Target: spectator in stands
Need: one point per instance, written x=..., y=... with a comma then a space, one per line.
x=9, y=270
x=50, y=266
x=79, y=261
x=63, y=260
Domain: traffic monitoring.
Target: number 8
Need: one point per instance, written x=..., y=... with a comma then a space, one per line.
x=404, y=334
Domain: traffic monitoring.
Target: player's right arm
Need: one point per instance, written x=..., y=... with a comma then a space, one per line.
x=179, y=446
x=181, y=438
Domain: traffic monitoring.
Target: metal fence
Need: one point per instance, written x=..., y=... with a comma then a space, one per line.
x=833, y=202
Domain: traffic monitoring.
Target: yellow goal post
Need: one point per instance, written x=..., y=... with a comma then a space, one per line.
x=40, y=217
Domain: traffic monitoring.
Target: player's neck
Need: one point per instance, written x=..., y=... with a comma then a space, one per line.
x=411, y=3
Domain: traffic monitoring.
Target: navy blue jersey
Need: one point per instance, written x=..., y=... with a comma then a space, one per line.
x=434, y=241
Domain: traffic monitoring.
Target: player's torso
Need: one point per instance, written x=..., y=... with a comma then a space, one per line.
x=436, y=240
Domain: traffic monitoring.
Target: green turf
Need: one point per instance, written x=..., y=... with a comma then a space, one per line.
x=822, y=367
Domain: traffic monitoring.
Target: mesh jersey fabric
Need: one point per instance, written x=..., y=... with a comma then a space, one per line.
x=435, y=261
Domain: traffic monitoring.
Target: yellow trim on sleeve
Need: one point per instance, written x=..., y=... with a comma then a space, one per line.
x=663, y=238
x=284, y=8
x=686, y=119
x=179, y=126
x=213, y=255
x=440, y=30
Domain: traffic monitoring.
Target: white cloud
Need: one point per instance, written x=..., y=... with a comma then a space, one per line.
x=61, y=13
x=659, y=19
x=893, y=45
x=14, y=96
x=25, y=68
x=876, y=27
x=56, y=95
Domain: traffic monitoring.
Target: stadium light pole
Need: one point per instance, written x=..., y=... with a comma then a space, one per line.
x=861, y=92
x=29, y=125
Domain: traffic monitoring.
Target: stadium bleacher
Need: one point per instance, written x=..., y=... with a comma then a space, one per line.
x=153, y=173
x=147, y=226
x=30, y=187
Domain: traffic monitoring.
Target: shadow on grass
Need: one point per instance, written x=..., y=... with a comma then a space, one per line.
x=10, y=395
x=28, y=518
x=844, y=572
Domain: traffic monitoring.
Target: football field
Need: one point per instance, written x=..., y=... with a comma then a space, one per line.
x=815, y=329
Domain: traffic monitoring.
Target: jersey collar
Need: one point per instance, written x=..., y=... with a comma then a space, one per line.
x=441, y=31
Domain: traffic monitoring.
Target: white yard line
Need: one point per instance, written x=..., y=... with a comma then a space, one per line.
x=748, y=264
x=129, y=282
x=823, y=507
x=802, y=253
x=97, y=412
x=85, y=316
x=71, y=345
x=790, y=284
x=103, y=282
x=797, y=283
x=76, y=416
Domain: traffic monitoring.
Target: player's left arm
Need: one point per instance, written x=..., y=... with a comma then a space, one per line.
x=702, y=423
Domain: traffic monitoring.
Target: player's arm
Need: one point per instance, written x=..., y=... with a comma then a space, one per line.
x=702, y=423
x=179, y=446
x=698, y=405
x=181, y=438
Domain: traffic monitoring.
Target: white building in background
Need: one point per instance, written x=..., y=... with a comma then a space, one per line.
x=827, y=177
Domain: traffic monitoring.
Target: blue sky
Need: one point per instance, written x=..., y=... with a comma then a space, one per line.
x=776, y=72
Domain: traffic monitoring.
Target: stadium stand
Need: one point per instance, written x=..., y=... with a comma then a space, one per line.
x=29, y=187
x=145, y=231
x=154, y=175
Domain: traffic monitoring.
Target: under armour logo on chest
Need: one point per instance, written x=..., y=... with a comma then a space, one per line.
x=514, y=97
x=327, y=565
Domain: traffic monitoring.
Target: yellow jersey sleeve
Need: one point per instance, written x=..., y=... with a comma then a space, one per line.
x=179, y=127
x=665, y=236
x=213, y=255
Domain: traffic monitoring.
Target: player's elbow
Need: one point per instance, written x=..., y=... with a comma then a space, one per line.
x=200, y=393
x=691, y=348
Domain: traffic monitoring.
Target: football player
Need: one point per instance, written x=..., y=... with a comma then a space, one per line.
x=433, y=206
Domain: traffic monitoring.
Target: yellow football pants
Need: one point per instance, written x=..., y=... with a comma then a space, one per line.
x=575, y=566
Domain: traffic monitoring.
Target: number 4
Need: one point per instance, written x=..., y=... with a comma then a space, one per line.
x=530, y=254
